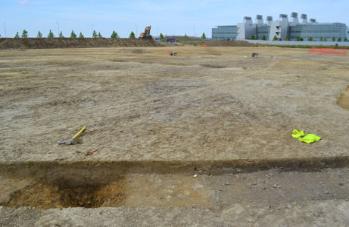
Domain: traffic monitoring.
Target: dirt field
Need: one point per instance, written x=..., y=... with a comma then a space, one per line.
x=173, y=139
x=143, y=104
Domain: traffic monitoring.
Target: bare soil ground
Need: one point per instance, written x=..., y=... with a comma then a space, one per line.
x=343, y=100
x=142, y=104
x=201, y=138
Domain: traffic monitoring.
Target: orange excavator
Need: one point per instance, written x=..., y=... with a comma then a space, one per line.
x=146, y=34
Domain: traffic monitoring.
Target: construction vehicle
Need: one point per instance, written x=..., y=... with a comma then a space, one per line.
x=146, y=34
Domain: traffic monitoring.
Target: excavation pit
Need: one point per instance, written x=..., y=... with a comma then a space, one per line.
x=63, y=195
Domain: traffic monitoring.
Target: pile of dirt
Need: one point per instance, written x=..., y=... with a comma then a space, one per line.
x=32, y=43
x=343, y=99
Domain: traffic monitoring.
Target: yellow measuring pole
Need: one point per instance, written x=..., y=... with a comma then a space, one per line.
x=77, y=135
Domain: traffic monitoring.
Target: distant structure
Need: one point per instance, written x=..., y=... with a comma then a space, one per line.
x=171, y=39
x=282, y=29
x=146, y=34
x=225, y=32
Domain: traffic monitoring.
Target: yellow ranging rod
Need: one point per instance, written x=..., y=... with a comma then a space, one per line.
x=75, y=139
x=78, y=134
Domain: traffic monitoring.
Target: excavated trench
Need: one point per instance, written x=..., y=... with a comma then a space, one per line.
x=211, y=185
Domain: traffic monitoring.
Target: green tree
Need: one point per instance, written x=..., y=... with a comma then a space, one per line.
x=114, y=35
x=73, y=35
x=310, y=39
x=132, y=35
x=339, y=39
x=100, y=35
x=253, y=37
x=94, y=35
x=61, y=36
x=345, y=39
x=275, y=38
x=17, y=36
x=264, y=37
x=81, y=36
x=300, y=38
x=203, y=36
x=24, y=34
x=334, y=39
x=162, y=37
x=39, y=35
x=50, y=35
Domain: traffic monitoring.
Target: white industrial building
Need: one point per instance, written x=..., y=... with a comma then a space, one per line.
x=282, y=29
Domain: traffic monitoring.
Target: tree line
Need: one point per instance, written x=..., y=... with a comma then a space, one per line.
x=73, y=35
x=163, y=37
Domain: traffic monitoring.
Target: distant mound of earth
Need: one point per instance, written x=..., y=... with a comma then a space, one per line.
x=32, y=43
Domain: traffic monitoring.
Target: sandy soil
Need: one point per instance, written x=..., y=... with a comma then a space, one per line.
x=207, y=103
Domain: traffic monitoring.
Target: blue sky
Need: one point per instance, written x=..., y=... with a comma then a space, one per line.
x=179, y=17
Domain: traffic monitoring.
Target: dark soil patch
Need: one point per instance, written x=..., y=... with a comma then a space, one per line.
x=65, y=194
x=213, y=66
